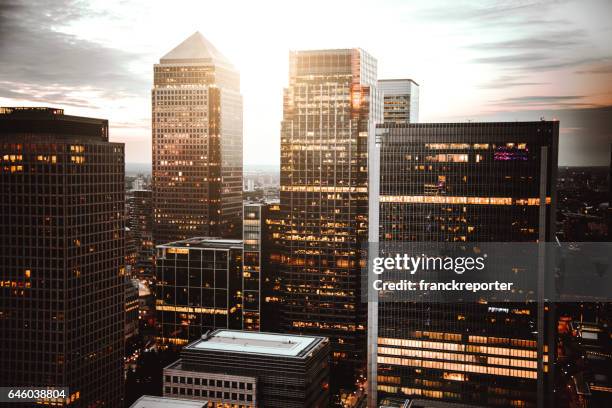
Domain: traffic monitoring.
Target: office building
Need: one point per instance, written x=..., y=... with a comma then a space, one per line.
x=139, y=207
x=199, y=288
x=61, y=251
x=248, y=369
x=329, y=111
x=464, y=182
x=197, y=144
x=150, y=401
x=271, y=284
x=400, y=100
x=253, y=229
x=132, y=303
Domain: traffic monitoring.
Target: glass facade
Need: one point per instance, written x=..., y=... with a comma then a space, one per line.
x=271, y=286
x=139, y=206
x=463, y=182
x=329, y=112
x=61, y=250
x=252, y=265
x=199, y=288
x=197, y=144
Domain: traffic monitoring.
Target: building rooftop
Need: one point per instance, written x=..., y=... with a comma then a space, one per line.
x=196, y=48
x=398, y=81
x=422, y=403
x=204, y=243
x=50, y=121
x=149, y=401
x=281, y=345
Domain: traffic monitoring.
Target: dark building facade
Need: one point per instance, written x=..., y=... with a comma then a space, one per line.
x=197, y=144
x=131, y=308
x=139, y=206
x=252, y=235
x=61, y=251
x=329, y=111
x=247, y=369
x=463, y=182
x=199, y=288
x=271, y=284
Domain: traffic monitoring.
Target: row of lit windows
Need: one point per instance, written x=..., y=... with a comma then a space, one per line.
x=461, y=357
x=462, y=200
x=476, y=146
x=457, y=337
x=508, y=372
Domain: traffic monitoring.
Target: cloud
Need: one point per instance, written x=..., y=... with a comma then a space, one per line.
x=585, y=133
x=504, y=14
x=37, y=57
x=509, y=81
x=544, y=101
x=603, y=66
x=547, y=41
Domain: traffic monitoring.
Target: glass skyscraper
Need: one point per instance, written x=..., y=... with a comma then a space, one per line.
x=463, y=182
x=329, y=111
x=197, y=144
x=61, y=251
x=253, y=230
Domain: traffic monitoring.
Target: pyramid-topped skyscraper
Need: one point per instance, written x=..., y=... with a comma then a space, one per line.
x=196, y=48
x=197, y=143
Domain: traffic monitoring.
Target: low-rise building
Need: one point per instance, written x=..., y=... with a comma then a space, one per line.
x=250, y=369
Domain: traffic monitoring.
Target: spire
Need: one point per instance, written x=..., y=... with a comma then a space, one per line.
x=196, y=47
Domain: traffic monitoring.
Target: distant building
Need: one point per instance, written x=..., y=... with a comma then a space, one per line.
x=197, y=144
x=401, y=100
x=139, y=207
x=131, y=308
x=199, y=288
x=248, y=369
x=149, y=401
x=250, y=185
x=253, y=229
x=588, y=350
x=271, y=284
x=62, y=255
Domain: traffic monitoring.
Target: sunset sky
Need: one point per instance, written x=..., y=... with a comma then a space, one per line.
x=474, y=60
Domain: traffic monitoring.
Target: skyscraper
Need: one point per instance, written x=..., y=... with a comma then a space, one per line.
x=199, y=288
x=139, y=206
x=253, y=230
x=271, y=286
x=400, y=100
x=61, y=251
x=463, y=182
x=197, y=144
x=330, y=108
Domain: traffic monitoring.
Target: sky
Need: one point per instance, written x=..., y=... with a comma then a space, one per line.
x=474, y=60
